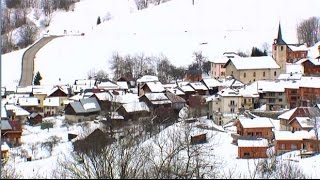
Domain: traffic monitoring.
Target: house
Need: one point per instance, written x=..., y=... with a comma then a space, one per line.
x=41, y=93
x=286, y=141
x=251, y=69
x=35, y=118
x=155, y=100
x=82, y=84
x=150, y=87
x=107, y=84
x=193, y=75
x=197, y=105
x=123, y=85
x=84, y=110
x=134, y=111
x=301, y=123
x=260, y=127
x=177, y=102
x=4, y=151
x=105, y=100
x=311, y=66
x=212, y=85
x=15, y=112
x=52, y=106
x=200, y=88
x=225, y=101
x=11, y=132
x=217, y=69
x=63, y=92
x=252, y=148
x=285, y=53
x=288, y=116
x=31, y=104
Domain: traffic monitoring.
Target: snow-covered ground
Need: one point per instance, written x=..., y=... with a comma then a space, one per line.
x=219, y=144
x=175, y=29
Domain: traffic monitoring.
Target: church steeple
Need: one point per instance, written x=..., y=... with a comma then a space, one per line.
x=280, y=41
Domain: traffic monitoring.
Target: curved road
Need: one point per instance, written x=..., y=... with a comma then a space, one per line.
x=27, y=67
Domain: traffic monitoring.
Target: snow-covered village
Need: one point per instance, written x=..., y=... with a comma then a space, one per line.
x=160, y=89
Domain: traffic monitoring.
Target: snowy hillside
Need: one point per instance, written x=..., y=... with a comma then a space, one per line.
x=175, y=29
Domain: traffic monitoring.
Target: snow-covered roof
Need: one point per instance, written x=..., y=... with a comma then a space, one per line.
x=286, y=115
x=103, y=96
x=54, y=89
x=290, y=76
x=88, y=106
x=176, y=91
x=288, y=135
x=122, y=84
x=158, y=98
x=126, y=98
x=312, y=82
x=108, y=85
x=186, y=88
x=41, y=89
x=5, y=125
x=198, y=86
x=147, y=78
x=262, y=62
x=86, y=82
x=4, y=147
x=76, y=97
x=28, y=101
x=258, y=122
x=155, y=86
x=136, y=106
x=169, y=86
x=116, y=115
x=27, y=89
x=12, y=98
x=305, y=122
x=19, y=111
x=3, y=111
x=219, y=60
x=211, y=82
x=259, y=142
x=302, y=47
x=227, y=92
x=51, y=101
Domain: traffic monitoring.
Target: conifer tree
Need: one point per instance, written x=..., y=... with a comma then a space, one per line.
x=99, y=20
x=37, y=79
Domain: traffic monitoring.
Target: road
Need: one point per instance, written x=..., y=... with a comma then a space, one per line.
x=27, y=68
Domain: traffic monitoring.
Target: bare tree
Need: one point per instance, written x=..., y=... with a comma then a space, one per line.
x=28, y=34
x=308, y=31
x=9, y=172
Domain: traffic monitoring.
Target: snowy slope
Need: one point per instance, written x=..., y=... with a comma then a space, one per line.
x=175, y=29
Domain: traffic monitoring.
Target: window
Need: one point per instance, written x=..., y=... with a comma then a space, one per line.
x=280, y=93
x=275, y=47
x=221, y=66
x=246, y=154
x=281, y=47
x=254, y=74
x=282, y=146
x=280, y=100
x=231, y=72
x=232, y=102
x=244, y=75
x=232, y=110
x=294, y=146
x=264, y=74
x=258, y=133
x=245, y=101
x=275, y=73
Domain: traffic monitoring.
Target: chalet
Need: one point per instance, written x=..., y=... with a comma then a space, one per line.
x=301, y=123
x=155, y=100
x=11, y=132
x=187, y=90
x=252, y=148
x=151, y=87
x=286, y=141
x=35, y=118
x=311, y=66
x=258, y=127
x=197, y=105
x=288, y=116
x=15, y=112
x=63, y=92
x=104, y=98
x=251, y=69
x=130, y=81
x=285, y=53
x=176, y=91
x=134, y=111
x=193, y=75
x=123, y=86
x=84, y=110
x=31, y=104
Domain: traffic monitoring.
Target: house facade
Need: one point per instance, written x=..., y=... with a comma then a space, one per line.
x=252, y=148
x=251, y=69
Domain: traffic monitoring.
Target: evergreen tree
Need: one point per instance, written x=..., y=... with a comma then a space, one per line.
x=37, y=79
x=257, y=52
x=99, y=20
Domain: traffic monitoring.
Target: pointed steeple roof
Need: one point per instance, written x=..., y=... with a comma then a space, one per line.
x=280, y=41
